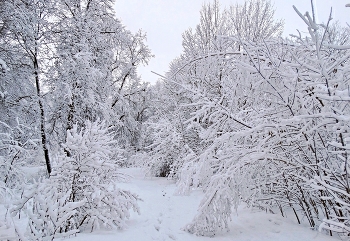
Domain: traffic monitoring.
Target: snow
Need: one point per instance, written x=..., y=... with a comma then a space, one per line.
x=163, y=215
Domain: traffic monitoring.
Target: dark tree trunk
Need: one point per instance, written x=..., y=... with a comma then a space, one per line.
x=42, y=118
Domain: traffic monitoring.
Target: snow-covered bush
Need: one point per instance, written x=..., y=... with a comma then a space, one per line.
x=17, y=150
x=168, y=141
x=171, y=145
x=81, y=194
x=165, y=150
x=50, y=212
x=92, y=175
x=214, y=213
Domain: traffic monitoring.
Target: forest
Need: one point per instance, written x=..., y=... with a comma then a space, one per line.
x=243, y=114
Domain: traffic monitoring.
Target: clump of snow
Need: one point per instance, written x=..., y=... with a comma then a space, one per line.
x=3, y=65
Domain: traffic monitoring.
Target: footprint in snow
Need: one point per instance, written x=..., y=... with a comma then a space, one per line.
x=275, y=230
x=157, y=227
x=276, y=222
x=172, y=236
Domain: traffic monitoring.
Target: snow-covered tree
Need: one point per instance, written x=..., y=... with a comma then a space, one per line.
x=254, y=20
x=272, y=118
x=94, y=75
x=27, y=48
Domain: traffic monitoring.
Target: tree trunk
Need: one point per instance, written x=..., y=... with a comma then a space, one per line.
x=42, y=118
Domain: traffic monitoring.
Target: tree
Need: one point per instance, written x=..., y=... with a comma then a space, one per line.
x=27, y=36
x=96, y=63
x=254, y=21
x=202, y=73
x=273, y=117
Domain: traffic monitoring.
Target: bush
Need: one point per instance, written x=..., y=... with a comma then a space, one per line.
x=81, y=193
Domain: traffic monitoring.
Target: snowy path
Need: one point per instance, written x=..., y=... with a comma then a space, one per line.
x=163, y=215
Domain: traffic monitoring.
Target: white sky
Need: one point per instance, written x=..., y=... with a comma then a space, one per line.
x=164, y=21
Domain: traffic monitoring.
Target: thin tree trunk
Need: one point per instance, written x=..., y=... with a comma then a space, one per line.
x=42, y=118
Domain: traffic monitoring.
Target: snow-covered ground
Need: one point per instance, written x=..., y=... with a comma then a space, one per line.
x=164, y=214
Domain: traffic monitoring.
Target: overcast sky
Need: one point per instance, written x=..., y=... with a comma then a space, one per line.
x=165, y=20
